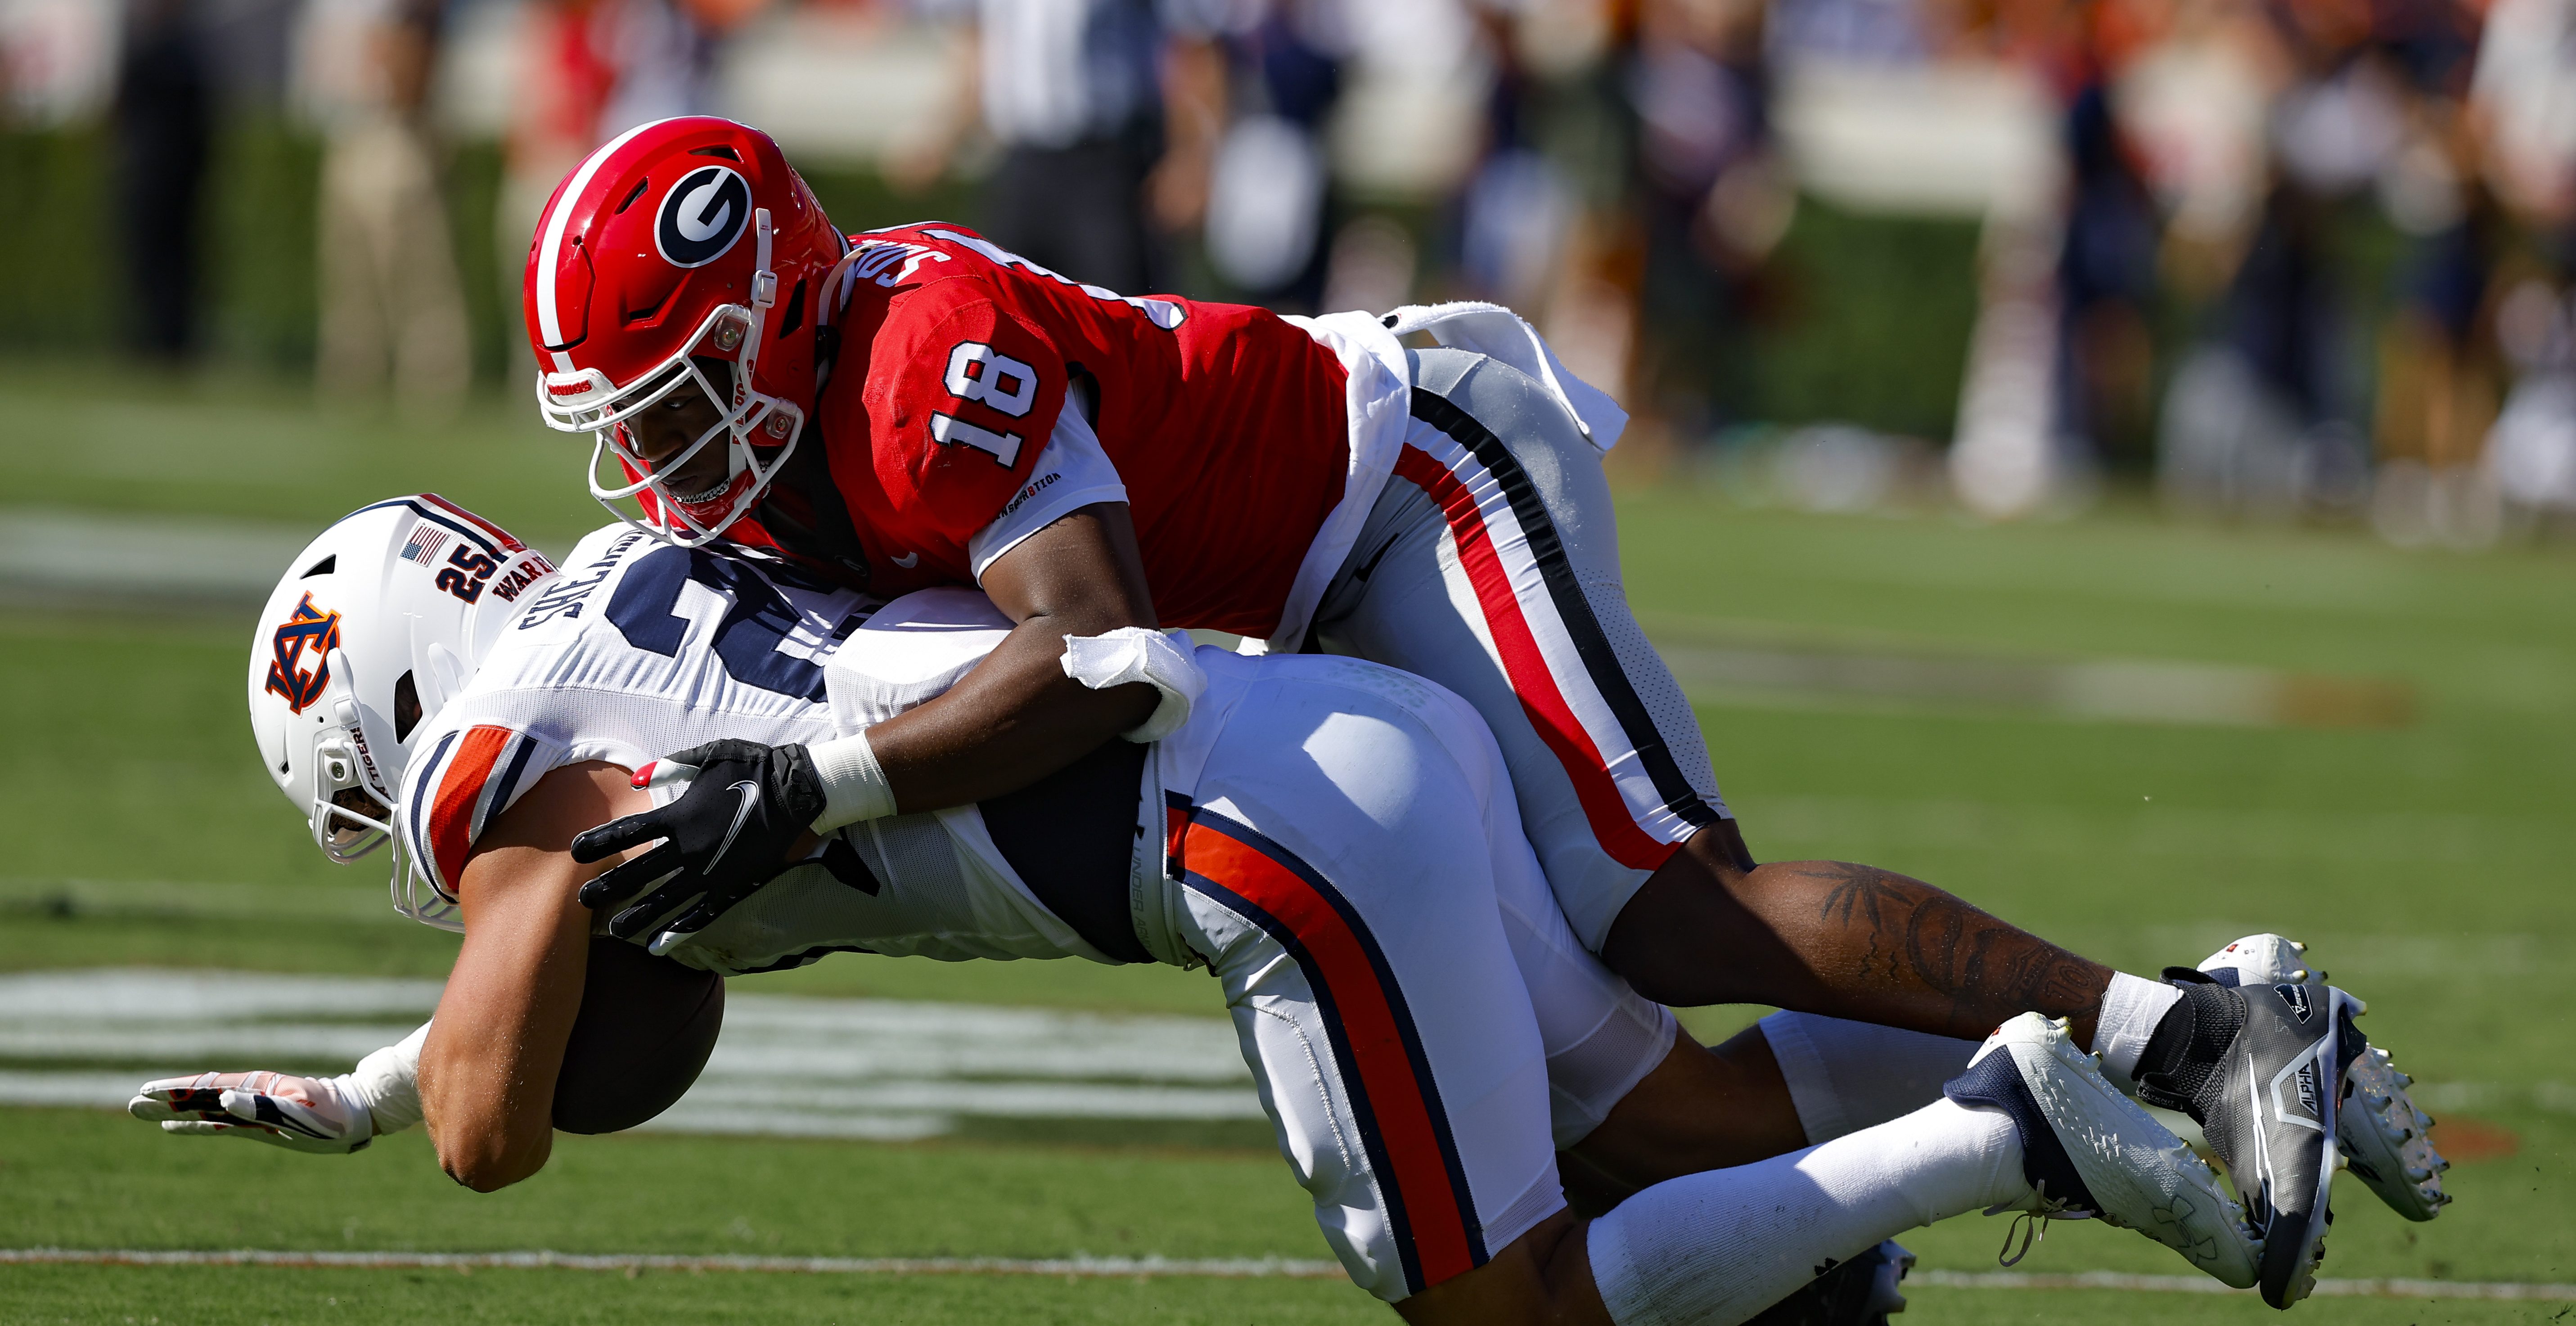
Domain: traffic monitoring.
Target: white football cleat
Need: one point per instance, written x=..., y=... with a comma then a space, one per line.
x=2264, y=959
x=2384, y=1138
x=2088, y=1150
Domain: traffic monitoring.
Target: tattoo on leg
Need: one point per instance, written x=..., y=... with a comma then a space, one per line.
x=1904, y=931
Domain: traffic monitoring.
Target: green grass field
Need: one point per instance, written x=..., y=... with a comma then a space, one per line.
x=2425, y=863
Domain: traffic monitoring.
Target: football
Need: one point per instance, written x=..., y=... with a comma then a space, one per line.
x=646, y=1027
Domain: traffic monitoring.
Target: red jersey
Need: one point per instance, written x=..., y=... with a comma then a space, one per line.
x=947, y=411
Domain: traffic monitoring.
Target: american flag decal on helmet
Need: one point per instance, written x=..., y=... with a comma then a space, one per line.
x=424, y=545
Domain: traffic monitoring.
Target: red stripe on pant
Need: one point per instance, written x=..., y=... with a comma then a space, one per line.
x=1533, y=682
x=1338, y=961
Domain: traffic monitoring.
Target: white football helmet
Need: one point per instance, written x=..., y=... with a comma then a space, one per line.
x=377, y=625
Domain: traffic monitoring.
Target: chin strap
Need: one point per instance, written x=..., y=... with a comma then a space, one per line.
x=831, y=295
x=764, y=293
x=764, y=280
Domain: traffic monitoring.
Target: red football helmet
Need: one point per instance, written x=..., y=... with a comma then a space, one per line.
x=681, y=241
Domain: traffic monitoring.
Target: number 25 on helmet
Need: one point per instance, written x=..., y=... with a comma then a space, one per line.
x=685, y=253
x=375, y=626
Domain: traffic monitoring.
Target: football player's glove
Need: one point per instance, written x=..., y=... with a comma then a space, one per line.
x=318, y=1116
x=744, y=807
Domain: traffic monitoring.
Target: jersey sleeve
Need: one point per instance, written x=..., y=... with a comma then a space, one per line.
x=1072, y=473
x=964, y=402
x=456, y=785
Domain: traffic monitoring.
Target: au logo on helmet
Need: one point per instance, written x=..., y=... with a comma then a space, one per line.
x=702, y=216
x=307, y=628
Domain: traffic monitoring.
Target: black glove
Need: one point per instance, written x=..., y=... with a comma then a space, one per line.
x=727, y=835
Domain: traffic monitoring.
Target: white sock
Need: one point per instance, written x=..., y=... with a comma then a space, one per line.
x=1844, y=1076
x=2131, y=1008
x=1717, y=1247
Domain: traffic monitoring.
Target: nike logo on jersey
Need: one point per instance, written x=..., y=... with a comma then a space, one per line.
x=907, y=561
x=750, y=797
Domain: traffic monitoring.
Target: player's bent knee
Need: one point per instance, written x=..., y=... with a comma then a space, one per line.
x=1540, y=1279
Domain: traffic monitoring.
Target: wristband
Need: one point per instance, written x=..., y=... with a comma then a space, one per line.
x=854, y=786
x=385, y=1086
x=1134, y=654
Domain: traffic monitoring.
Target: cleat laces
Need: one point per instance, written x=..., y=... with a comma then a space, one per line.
x=2030, y=1223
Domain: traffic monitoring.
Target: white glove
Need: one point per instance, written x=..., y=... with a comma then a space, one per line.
x=1134, y=654
x=313, y=1115
x=327, y=1116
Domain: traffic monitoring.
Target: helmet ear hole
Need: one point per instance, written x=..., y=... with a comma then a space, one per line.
x=406, y=707
x=795, y=315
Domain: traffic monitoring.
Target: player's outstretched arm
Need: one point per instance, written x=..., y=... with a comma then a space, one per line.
x=487, y=1073
x=324, y=1116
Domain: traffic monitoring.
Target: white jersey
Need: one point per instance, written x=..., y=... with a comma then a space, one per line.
x=1337, y=841
x=639, y=649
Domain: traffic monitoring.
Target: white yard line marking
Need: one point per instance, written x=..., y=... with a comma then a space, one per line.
x=1139, y=1267
x=878, y=1069
x=1150, y=1267
x=156, y=997
x=2101, y=690
x=224, y=563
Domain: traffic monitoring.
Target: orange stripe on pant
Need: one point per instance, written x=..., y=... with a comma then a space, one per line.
x=1397, y=1107
x=1532, y=680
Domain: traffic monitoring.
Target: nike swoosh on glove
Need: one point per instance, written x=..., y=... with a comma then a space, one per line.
x=306, y=1114
x=728, y=833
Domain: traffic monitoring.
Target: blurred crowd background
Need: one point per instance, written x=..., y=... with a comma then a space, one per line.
x=2269, y=259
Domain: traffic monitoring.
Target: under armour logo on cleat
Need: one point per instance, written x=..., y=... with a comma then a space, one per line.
x=2170, y=1231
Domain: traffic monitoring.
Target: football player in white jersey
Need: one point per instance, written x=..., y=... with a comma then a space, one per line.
x=1334, y=839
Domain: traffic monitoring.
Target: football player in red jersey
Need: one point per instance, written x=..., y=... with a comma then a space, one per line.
x=913, y=407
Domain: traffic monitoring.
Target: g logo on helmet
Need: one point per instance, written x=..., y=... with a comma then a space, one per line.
x=306, y=629
x=702, y=216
